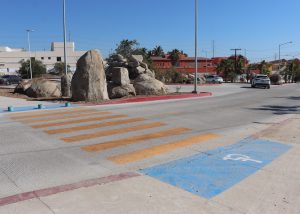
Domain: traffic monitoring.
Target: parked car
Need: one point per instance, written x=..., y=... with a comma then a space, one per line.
x=214, y=79
x=261, y=81
x=10, y=79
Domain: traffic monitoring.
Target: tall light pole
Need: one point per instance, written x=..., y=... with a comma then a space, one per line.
x=65, y=36
x=196, y=47
x=29, y=49
x=280, y=53
x=65, y=80
x=282, y=45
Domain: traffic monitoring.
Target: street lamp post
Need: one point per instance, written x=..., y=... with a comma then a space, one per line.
x=282, y=45
x=280, y=53
x=29, y=49
x=65, y=79
x=196, y=46
x=65, y=36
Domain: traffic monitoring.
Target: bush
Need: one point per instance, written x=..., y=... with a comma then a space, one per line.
x=38, y=69
x=275, y=78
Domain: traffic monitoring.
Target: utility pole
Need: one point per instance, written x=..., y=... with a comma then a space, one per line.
x=205, y=51
x=29, y=49
x=235, y=58
x=213, y=48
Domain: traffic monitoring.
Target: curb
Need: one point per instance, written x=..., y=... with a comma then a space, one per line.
x=157, y=98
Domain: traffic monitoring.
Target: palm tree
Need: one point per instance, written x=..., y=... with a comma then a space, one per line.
x=174, y=56
x=158, y=51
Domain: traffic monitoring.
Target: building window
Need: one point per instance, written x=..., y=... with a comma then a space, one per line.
x=49, y=58
x=42, y=58
x=58, y=59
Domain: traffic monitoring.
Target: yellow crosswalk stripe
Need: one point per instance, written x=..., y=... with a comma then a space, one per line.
x=38, y=126
x=132, y=140
x=112, y=132
x=71, y=116
x=94, y=126
x=70, y=111
x=156, y=150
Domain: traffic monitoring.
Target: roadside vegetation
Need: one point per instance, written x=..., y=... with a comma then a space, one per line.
x=38, y=69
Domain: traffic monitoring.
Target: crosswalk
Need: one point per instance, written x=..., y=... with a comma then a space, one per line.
x=90, y=125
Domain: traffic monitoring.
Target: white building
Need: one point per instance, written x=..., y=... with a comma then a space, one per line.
x=10, y=58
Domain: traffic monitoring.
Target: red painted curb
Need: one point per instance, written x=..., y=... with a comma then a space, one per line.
x=206, y=84
x=64, y=188
x=156, y=98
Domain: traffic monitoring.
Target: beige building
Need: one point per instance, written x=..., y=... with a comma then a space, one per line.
x=10, y=58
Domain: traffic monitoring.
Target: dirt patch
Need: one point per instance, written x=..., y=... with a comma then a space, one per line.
x=7, y=92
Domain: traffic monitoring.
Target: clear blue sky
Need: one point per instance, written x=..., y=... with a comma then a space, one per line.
x=255, y=25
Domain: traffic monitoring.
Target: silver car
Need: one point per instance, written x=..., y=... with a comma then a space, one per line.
x=261, y=81
x=214, y=79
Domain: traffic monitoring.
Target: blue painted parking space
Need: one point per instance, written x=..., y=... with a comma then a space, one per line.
x=34, y=108
x=209, y=174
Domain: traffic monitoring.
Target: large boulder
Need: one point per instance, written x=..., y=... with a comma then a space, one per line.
x=43, y=88
x=120, y=76
x=117, y=57
x=23, y=86
x=116, y=91
x=146, y=85
x=89, y=81
x=136, y=58
x=135, y=61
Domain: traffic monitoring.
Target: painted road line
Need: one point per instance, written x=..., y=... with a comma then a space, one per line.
x=133, y=140
x=211, y=173
x=112, y=132
x=157, y=150
x=36, y=194
x=94, y=126
x=70, y=111
x=71, y=116
x=69, y=122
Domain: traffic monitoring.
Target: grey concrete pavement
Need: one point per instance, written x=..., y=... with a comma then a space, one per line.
x=16, y=102
x=32, y=159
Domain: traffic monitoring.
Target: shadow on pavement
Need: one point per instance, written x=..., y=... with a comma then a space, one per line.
x=279, y=110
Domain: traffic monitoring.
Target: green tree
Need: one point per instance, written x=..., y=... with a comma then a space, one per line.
x=127, y=47
x=59, y=68
x=264, y=68
x=175, y=56
x=38, y=68
x=240, y=64
x=225, y=67
x=158, y=51
x=292, y=71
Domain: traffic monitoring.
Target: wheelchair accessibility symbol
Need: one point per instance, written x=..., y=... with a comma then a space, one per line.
x=239, y=157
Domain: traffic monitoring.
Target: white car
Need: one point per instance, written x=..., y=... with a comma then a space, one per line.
x=214, y=79
x=261, y=81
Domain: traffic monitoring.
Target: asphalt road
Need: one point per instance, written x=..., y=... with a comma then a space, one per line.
x=53, y=151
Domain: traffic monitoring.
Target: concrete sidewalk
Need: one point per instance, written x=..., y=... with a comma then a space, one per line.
x=273, y=188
